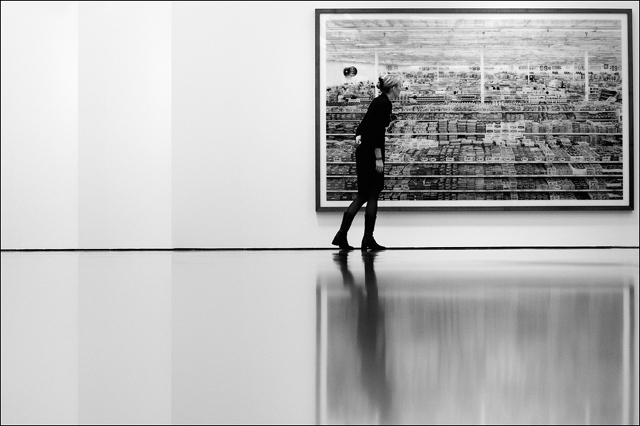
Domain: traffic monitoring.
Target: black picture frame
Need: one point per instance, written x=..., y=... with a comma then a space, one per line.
x=581, y=152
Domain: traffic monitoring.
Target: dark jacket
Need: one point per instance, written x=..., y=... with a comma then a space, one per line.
x=373, y=125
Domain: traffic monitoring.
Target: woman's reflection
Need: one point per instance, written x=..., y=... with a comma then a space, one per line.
x=370, y=334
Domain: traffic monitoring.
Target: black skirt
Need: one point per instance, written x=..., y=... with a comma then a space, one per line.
x=370, y=182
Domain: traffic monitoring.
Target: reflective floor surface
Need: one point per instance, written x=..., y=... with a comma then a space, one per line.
x=401, y=336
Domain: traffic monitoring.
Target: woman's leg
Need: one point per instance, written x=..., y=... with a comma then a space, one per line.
x=340, y=239
x=369, y=225
x=372, y=205
x=356, y=204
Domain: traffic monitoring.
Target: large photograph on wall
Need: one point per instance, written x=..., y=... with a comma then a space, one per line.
x=499, y=109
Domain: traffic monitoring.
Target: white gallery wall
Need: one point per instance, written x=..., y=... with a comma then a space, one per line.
x=39, y=124
x=169, y=125
x=124, y=139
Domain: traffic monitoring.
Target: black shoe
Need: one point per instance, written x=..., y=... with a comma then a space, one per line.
x=340, y=240
x=368, y=242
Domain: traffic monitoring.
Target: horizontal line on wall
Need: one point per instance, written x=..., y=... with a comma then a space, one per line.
x=319, y=248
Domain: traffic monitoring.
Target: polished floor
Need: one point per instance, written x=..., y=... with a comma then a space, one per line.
x=401, y=336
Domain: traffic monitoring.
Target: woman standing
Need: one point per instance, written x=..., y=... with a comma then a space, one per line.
x=370, y=136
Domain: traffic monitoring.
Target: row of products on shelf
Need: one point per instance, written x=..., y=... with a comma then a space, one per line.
x=521, y=126
x=486, y=196
x=436, y=95
x=474, y=126
x=442, y=100
x=508, y=169
x=472, y=184
x=485, y=116
x=562, y=149
x=542, y=77
x=361, y=89
x=493, y=107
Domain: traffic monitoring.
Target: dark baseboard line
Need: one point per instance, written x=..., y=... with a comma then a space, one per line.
x=183, y=249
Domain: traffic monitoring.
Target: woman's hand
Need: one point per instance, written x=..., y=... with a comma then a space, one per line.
x=379, y=166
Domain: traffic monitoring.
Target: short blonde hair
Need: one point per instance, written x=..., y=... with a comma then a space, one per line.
x=388, y=82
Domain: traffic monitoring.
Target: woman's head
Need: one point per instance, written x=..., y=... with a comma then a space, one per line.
x=390, y=84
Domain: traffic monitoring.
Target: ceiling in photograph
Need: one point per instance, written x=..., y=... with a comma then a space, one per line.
x=459, y=41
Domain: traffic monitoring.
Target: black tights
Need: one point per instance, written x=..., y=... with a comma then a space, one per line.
x=372, y=204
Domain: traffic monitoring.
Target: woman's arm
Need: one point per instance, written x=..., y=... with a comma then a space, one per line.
x=385, y=114
x=379, y=163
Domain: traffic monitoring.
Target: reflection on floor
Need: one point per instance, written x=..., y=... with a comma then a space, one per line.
x=455, y=336
x=433, y=352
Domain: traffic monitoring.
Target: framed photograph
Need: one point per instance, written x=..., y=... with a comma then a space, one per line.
x=505, y=109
